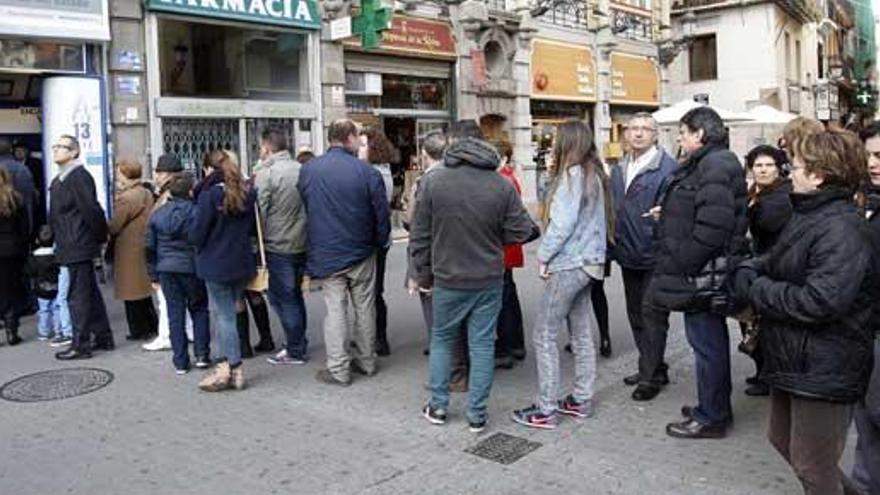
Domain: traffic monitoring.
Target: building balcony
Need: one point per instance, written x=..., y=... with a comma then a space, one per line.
x=802, y=10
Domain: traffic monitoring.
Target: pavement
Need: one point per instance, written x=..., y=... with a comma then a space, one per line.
x=152, y=432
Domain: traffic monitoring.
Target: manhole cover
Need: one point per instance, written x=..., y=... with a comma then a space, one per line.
x=503, y=448
x=55, y=384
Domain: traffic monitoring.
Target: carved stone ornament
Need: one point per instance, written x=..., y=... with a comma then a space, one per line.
x=335, y=9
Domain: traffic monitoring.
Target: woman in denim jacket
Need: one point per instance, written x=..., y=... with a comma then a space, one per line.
x=572, y=258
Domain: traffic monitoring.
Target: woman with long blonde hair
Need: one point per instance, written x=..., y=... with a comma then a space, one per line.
x=221, y=233
x=14, y=233
x=572, y=259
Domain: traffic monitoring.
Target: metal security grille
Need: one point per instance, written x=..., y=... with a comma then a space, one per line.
x=503, y=448
x=255, y=128
x=192, y=139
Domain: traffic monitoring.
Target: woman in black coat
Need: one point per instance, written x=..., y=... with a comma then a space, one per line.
x=813, y=294
x=14, y=234
x=769, y=210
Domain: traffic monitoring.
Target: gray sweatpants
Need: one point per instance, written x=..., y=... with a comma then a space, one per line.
x=355, y=284
x=566, y=298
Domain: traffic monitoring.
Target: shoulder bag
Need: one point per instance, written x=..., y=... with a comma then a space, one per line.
x=260, y=282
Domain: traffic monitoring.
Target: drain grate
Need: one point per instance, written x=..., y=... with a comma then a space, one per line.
x=55, y=384
x=503, y=448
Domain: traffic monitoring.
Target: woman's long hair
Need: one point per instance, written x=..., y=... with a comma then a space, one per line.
x=235, y=188
x=10, y=200
x=574, y=147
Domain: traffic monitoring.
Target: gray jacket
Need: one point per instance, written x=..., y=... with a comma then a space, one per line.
x=284, y=217
x=466, y=213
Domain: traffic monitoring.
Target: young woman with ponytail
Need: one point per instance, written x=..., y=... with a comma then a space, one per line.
x=221, y=233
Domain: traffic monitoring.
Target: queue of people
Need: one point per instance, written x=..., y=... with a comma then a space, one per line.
x=788, y=244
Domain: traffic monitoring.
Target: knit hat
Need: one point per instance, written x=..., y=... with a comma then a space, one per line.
x=169, y=163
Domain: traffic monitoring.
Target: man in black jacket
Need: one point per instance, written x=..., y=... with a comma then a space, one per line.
x=866, y=469
x=703, y=218
x=80, y=229
x=465, y=214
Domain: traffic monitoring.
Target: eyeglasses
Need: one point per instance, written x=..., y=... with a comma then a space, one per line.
x=60, y=146
x=647, y=130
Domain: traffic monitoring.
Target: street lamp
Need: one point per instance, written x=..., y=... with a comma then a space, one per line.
x=667, y=50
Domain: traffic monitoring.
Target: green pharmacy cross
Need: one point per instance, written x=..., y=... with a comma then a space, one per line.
x=372, y=20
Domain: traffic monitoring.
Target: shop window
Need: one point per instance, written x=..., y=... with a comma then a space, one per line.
x=703, y=58
x=220, y=61
x=417, y=93
x=41, y=56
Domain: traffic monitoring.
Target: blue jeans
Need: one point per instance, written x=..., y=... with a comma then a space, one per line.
x=707, y=335
x=66, y=327
x=285, y=295
x=478, y=310
x=223, y=297
x=47, y=317
x=184, y=291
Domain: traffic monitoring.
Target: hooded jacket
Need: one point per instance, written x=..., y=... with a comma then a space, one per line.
x=465, y=214
x=814, y=294
x=167, y=244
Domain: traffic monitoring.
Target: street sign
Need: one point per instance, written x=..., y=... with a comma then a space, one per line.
x=369, y=24
x=340, y=28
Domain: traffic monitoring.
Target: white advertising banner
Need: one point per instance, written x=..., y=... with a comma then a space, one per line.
x=74, y=106
x=58, y=19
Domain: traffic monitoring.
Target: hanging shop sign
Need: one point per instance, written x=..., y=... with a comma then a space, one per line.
x=293, y=13
x=635, y=80
x=68, y=19
x=74, y=106
x=562, y=71
x=415, y=37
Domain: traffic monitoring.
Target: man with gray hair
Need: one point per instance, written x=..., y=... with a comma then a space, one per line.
x=636, y=185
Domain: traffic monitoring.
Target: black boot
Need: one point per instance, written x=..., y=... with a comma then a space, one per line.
x=382, y=347
x=243, y=324
x=261, y=318
x=11, y=324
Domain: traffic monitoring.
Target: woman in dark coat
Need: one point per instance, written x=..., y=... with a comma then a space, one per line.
x=813, y=294
x=14, y=234
x=769, y=211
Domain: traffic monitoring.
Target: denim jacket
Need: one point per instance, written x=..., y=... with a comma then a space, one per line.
x=576, y=234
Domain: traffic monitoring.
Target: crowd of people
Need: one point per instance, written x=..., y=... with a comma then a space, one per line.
x=788, y=245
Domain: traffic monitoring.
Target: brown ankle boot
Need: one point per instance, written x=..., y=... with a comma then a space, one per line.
x=237, y=379
x=220, y=378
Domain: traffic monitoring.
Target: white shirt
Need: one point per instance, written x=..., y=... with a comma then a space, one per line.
x=637, y=165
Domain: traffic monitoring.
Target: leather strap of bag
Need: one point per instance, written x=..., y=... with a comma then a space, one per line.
x=260, y=247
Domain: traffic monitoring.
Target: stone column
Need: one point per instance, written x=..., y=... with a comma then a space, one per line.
x=521, y=123
x=332, y=80
x=602, y=113
x=127, y=66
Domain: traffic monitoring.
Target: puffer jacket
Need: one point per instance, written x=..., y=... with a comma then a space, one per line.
x=813, y=295
x=703, y=217
x=167, y=240
x=768, y=214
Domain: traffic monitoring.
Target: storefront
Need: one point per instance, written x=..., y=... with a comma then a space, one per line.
x=563, y=88
x=52, y=83
x=220, y=71
x=635, y=87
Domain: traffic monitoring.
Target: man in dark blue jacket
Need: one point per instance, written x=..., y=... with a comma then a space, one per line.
x=636, y=185
x=348, y=220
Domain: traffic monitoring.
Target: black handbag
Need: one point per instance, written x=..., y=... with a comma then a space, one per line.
x=712, y=284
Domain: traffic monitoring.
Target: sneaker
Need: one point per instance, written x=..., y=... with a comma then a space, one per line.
x=220, y=378
x=534, y=418
x=181, y=371
x=237, y=379
x=203, y=362
x=60, y=341
x=434, y=416
x=158, y=344
x=570, y=407
x=325, y=376
x=477, y=426
x=282, y=357
x=42, y=338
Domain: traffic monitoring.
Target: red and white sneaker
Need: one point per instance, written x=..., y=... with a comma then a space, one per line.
x=570, y=407
x=534, y=418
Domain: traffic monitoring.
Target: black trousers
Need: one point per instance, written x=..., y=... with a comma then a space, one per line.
x=649, y=324
x=510, y=320
x=381, y=307
x=600, y=307
x=142, y=318
x=87, y=311
x=11, y=289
